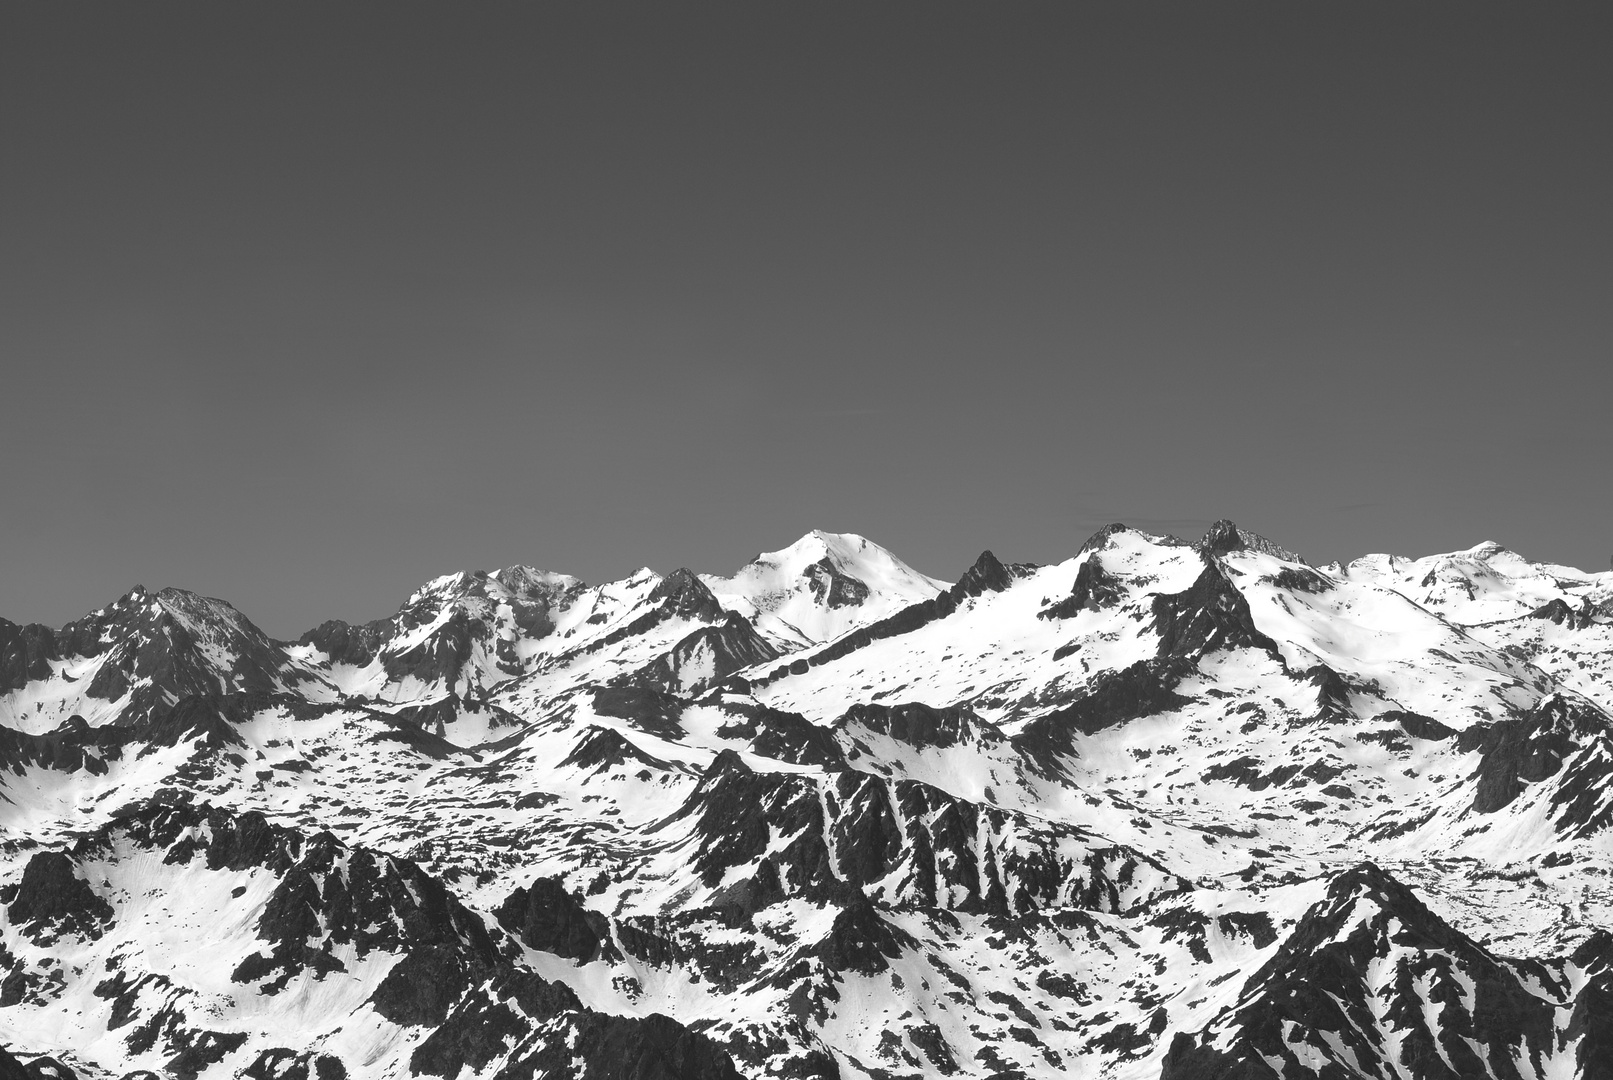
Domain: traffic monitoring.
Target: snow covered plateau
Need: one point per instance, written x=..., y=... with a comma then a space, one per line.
x=1166, y=809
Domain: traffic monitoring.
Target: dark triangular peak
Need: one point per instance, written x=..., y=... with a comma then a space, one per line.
x=709, y=655
x=682, y=593
x=1556, y=610
x=860, y=940
x=1224, y=537
x=1094, y=588
x=602, y=748
x=1332, y=695
x=159, y=648
x=988, y=574
x=920, y=725
x=1370, y=949
x=1208, y=616
x=53, y=899
x=547, y=917
x=736, y=815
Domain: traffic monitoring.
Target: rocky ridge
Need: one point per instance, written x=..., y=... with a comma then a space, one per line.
x=1160, y=810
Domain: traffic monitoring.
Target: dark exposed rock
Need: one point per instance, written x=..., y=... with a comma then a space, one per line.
x=646, y=708
x=207, y=719
x=600, y=748
x=523, y=597
x=52, y=900
x=784, y=736
x=683, y=594
x=861, y=941
x=200, y=1050
x=1312, y=1008
x=569, y=1040
x=833, y=588
x=1246, y=772
x=707, y=656
x=1417, y=725
x=451, y=977
x=280, y=1063
x=441, y=715
x=11, y=1068
x=1527, y=749
x=1224, y=537
x=1094, y=588
x=1145, y=688
x=425, y=985
x=920, y=726
x=401, y=727
x=679, y=595
x=1209, y=616
x=986, y=575
x=25, y=654
x=73, y=746
x=610, y=1047
x=944, y=851
x=1300, y=579
x=545, y=916
x=441, y=657
x=1332, y=695
x=735, y=811
x=344, y=643
x=1557, y=611
x=46, y=1067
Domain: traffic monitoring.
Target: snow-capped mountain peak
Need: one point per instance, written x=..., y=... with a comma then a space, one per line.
x=820, y=587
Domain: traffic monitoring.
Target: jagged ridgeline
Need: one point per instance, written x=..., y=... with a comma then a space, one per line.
x=1160, y=810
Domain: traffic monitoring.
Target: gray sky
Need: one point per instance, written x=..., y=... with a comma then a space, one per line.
x=301, y=305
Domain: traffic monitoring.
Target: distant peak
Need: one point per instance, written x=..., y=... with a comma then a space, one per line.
x=1100, y=539
x=1224, y=537
x=846, y=553
x=1485, y=549
x=520, y=581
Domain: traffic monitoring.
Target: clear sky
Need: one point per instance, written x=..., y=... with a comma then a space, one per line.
x=304, y=304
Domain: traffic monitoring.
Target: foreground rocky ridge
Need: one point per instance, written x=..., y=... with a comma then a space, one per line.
x=1164, y=809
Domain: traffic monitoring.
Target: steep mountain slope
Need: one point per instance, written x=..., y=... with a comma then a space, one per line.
x=1159, y=810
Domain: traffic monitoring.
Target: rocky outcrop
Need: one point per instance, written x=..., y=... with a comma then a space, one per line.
x=1094, y=588
x=986, y=575
x=544, y=916
x=1145, y=688
x=1209, y=616
x=53, y=901
x=1528, y=748
x=1448, y=1007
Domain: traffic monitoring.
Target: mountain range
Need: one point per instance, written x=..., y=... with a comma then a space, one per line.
x=1165, y=809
